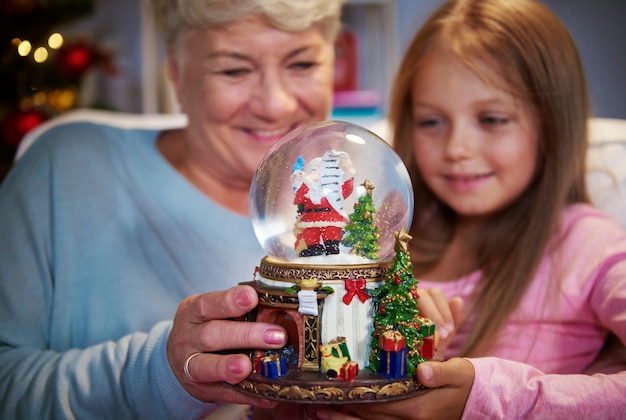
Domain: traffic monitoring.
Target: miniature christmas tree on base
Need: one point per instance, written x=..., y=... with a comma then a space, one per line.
x=396, y=316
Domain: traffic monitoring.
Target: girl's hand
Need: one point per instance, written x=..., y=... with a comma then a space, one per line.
x=202, y=327
x=446, y=314
x=451, y=382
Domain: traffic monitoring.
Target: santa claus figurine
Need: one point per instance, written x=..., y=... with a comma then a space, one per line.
x=328, y=182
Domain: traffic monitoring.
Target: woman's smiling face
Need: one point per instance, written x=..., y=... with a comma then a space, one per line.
x=476, y=146
x=246, y=85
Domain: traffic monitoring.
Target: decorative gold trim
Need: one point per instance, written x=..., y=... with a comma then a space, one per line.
x=333, y=392
x=311, y=339
x=282, y=271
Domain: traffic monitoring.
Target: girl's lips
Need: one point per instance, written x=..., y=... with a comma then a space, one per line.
x=466, y=182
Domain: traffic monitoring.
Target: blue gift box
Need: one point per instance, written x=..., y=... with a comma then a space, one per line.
x=393, y=363
x=273, y=366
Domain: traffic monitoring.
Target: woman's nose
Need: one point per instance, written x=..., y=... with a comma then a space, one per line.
x=272, y=97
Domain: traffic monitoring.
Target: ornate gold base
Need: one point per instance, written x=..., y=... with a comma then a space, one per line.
x=313, y=388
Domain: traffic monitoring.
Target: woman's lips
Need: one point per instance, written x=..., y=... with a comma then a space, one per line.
x=268, y=136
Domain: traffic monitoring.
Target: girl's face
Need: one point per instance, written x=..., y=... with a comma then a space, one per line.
x=246, y=85
x=475, y=146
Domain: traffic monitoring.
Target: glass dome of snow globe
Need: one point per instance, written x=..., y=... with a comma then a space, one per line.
x=330, y=193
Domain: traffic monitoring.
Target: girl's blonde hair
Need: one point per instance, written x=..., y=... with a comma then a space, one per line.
x=175, y=17
x=534, y=58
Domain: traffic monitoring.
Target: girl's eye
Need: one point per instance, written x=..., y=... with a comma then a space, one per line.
x=494, y=120
x=427, y=122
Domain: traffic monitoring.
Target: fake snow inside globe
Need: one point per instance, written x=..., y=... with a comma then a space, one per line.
x=330, y=193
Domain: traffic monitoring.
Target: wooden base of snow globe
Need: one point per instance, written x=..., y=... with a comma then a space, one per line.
x=327, y=313
x=314, y=388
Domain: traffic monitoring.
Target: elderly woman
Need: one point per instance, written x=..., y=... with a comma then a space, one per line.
x=109, y=234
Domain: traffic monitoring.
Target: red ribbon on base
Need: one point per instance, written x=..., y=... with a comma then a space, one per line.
x=355, y=287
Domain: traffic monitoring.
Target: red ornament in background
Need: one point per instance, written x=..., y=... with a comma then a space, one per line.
x=346, y=61
x=75, y=59
x=17, y=123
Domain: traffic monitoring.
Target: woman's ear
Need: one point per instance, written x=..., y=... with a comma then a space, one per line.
x=174, y=72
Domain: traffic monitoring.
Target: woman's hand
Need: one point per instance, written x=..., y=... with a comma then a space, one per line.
x=203, y=325
x=446, y=314
x=451, y=382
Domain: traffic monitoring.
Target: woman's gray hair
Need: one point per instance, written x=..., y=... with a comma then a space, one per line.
x=175, y=17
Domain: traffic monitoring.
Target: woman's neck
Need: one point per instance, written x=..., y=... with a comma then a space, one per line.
x=172, y=146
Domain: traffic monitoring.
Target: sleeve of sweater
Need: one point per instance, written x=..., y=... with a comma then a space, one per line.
x=508, y=389
x=129, y=378
x=123, y=378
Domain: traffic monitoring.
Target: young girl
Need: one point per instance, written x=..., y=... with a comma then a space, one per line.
x=489, y=112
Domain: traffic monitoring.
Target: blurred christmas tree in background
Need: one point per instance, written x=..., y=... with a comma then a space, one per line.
x=41, y=70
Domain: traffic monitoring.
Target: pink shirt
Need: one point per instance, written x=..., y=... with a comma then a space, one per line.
x=557, y=331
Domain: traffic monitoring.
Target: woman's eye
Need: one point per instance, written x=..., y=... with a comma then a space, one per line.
x=235, y=72
x=302, y=65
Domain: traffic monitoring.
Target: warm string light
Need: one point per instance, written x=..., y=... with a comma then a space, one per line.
x=40, y=54
x=23, y=47
x=55, y=41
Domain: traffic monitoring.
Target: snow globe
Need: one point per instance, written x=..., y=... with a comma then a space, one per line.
x=331, y=204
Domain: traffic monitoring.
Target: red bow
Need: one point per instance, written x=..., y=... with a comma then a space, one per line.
x=355, y=287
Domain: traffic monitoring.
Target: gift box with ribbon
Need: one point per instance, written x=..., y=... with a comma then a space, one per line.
x=427, y=326
x=427, y=350
x=393, y=363
x=340, y=348
x=391, y=341
x=272, y=366
x=349, y=370
x=257, y=363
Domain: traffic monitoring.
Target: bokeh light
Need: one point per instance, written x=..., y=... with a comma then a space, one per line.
x=40, y=55
x=55, y=41
x=24, y=48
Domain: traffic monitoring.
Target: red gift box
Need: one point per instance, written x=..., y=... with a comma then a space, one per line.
x=391, y=341
x=427, y=350
x=349, y=370
x=257, y=362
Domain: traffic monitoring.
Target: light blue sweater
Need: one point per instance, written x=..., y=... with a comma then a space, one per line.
x=100, y=239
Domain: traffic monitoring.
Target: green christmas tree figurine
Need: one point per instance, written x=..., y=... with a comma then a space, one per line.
x=395, y=307
x=362, y=233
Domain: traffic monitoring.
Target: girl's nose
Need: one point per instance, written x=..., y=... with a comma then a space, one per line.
x=459, y=144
